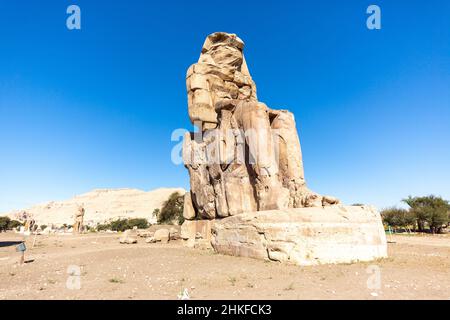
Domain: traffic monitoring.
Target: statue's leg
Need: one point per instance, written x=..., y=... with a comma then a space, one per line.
x=289, y=155
x=254, y=119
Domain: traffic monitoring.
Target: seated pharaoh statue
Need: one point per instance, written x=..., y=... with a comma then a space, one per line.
x=245, y=156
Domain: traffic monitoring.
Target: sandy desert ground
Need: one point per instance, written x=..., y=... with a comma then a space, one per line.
x=418, y=268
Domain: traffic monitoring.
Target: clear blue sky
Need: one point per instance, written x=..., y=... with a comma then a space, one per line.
x=95, y=108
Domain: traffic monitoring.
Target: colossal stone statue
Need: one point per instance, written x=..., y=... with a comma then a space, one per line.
x=246, y=157
x=79, y=219
x=248, y=192
x=30, y=225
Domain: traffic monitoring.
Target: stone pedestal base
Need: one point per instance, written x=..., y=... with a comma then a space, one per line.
x=306, y=236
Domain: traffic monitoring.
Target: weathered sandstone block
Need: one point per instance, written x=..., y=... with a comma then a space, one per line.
x=162, y=235
x=303, y=236
x=188, y=208
x=126, y=238
x=174, y=234
x=196, y=232
x=150, y=240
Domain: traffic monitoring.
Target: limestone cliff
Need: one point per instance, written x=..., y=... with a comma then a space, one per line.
x=100, y=205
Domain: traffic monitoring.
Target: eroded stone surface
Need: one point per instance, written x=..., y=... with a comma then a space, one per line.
x=162, y=235
x=197, y=233
x=126, y=238
x=188, y=207
x=246, y=157
x=305, y=236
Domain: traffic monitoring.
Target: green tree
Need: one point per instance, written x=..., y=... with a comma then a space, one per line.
x=172, y=210
x=14, y=224
x=398, y=218
x=4, y=222
x=429, y=211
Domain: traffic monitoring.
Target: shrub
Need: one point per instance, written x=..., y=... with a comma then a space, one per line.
x=398, y=218
x=429, y=211
x=124, y=224
x=4, y=222
x=14, y=224
x=140, y=223
x=43, y=227
x=7, y=224
x=172, y=210
x=119, y=225
x=103, y=227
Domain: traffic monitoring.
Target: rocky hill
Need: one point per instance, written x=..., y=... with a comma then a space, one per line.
x=100, y=205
